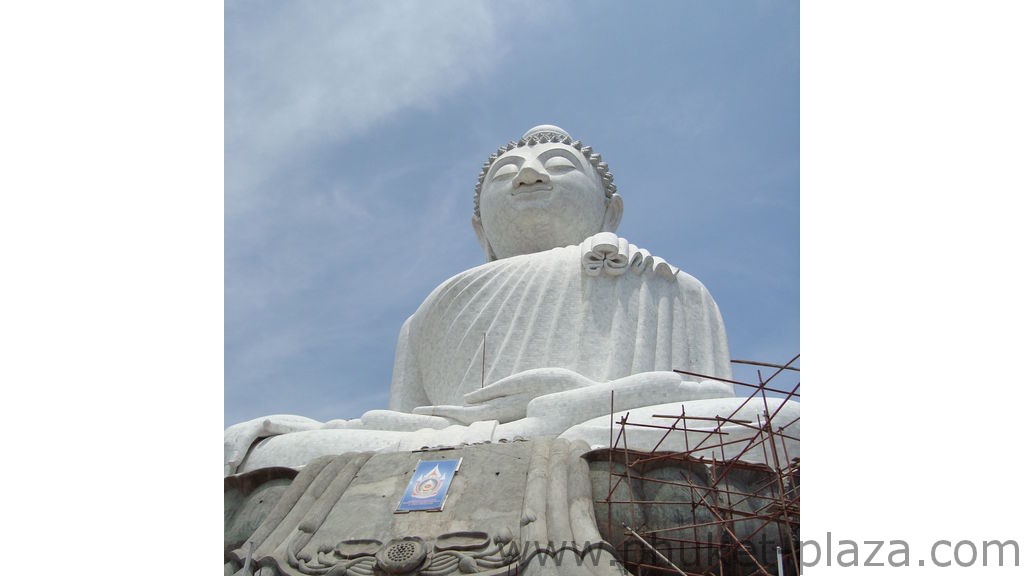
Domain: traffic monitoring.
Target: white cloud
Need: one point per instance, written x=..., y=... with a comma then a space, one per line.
x=307, y=74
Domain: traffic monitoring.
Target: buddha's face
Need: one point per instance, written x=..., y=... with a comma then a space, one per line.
x=539, y=197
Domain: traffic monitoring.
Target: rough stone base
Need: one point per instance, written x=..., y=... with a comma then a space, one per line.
x=530, y=507
x=519, y=507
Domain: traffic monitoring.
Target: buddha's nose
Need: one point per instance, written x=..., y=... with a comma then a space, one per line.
x=531, y=174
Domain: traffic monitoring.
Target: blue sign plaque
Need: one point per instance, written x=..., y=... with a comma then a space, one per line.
x=428, y=487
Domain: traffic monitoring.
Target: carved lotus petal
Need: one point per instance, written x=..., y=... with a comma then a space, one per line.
x=462, y=541
x=356, y=548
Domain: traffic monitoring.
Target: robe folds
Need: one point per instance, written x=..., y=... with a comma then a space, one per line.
x=543, y=310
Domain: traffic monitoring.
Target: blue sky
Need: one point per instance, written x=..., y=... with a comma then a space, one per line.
x=354, y=132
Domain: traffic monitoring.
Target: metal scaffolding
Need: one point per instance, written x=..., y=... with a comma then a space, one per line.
x=685, y=508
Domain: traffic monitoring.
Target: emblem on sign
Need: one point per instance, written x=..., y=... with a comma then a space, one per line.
x=429, y=484
x=428, y=487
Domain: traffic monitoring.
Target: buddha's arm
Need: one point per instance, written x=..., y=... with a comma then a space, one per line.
x=406, y=388
x=552, y=414
x=562, y=396
x=633, y=391
x=606, y=254
x=506, y=399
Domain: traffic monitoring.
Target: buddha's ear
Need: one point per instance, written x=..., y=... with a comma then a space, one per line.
x=478, y=227
x=612, y=213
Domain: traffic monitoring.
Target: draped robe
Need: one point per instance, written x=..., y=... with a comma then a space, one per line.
x=541, y=310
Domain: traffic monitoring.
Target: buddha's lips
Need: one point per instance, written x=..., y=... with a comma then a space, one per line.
x=531, y=189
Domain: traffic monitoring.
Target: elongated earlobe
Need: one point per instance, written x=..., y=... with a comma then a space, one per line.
x=478, y=228
x=612, y=214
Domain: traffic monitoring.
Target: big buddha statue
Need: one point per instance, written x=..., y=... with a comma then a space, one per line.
x=532, y=343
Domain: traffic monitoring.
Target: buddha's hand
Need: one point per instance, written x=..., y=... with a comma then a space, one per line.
x=506, y=399
x=608, y=254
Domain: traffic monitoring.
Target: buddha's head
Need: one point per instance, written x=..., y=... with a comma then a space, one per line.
x=541, y=192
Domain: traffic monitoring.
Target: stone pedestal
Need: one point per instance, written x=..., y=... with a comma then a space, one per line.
x=517, y=507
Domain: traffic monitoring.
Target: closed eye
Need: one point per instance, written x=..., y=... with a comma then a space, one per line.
x=506, y=171
x=559, y=165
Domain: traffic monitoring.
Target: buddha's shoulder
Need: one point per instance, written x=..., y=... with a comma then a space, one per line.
x=567, y=256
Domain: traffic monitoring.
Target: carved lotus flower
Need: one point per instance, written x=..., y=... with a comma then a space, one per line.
x=401, y=556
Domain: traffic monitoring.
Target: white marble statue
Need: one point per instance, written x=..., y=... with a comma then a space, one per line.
x=532, y=343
